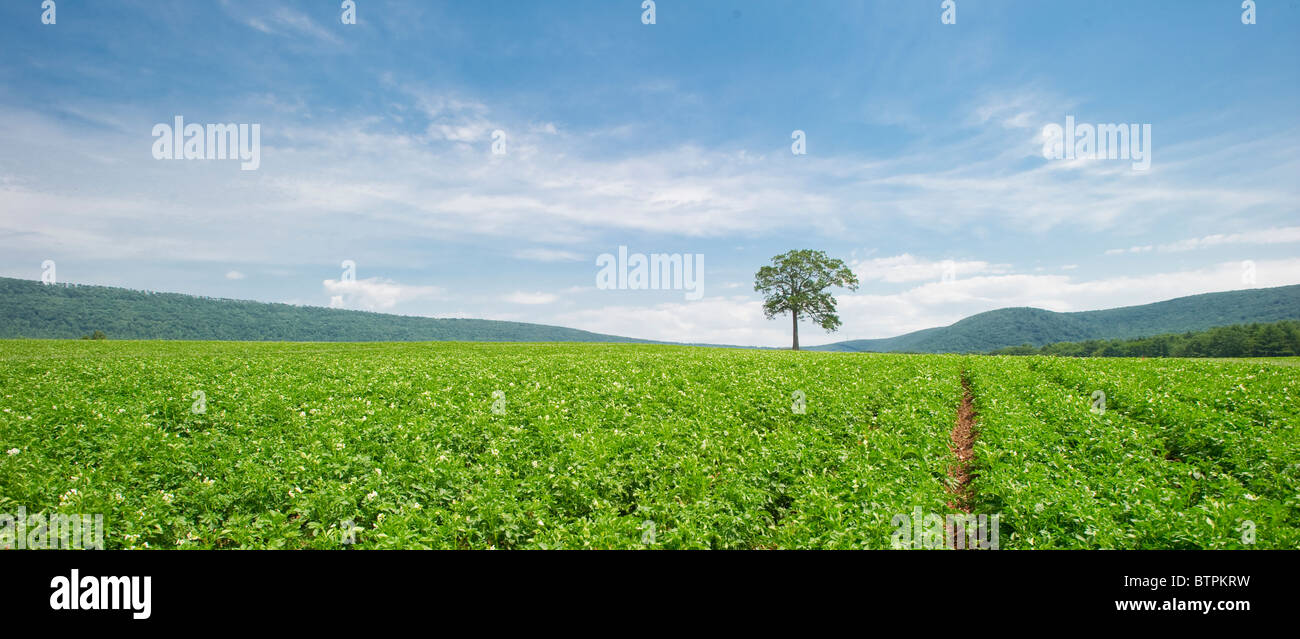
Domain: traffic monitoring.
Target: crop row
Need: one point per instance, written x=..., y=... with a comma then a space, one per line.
x=473, y=446
x=1068, y=471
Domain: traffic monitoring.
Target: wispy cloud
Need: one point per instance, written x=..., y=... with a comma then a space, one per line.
x=282, y=20
x=1276, y=235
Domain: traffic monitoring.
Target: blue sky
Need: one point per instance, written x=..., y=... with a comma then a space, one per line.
x=924, y=151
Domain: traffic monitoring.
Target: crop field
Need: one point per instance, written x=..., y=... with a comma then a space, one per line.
x=467, y=445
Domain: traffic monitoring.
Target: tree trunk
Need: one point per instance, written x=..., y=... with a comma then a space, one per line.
x=795, y=317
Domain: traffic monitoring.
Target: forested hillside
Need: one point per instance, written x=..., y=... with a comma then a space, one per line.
x=1034, y=326
x=1278, y=339
x=34, y=310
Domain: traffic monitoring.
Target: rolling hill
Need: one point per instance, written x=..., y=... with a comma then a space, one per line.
x=34, y=310
x=1034, y=326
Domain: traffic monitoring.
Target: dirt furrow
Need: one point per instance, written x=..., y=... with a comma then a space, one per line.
x=963, y=449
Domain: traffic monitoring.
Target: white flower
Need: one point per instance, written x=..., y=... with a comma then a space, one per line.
x=69, y=496
x=13, y=451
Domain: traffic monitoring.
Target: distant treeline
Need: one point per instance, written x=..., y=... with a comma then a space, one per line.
x=1276, y=339
x=1007, y=327
x=30, y=309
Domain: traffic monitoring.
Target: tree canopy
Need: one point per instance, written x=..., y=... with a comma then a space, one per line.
x=796, y=283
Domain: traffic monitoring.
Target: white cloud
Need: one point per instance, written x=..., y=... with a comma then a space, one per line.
x=452, y=118
x=739, y=320
x=1285, y=235
x=1275, y=235
x=375, y=294
x=258, y=24
x=234, y=275
x=908, y=268
x=730, y=320
x=520, y=297
x=461, y=132
x=551, y=187
x=1023, y=108
x=548, y=255
x=1132, y=249
x=942, y=303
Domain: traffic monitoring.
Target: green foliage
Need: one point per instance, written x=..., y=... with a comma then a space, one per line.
x=34, y=310
x=1009, y=327
x=1278, y=339
x=464, y=445
x=1138, y=454
x=796, y=283
x=591, y=442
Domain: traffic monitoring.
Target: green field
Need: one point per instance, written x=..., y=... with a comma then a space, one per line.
x=469, y=445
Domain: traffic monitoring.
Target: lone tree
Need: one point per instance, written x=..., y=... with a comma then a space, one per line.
x=796, y=283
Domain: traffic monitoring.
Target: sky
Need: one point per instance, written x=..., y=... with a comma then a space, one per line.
x=475, y=159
